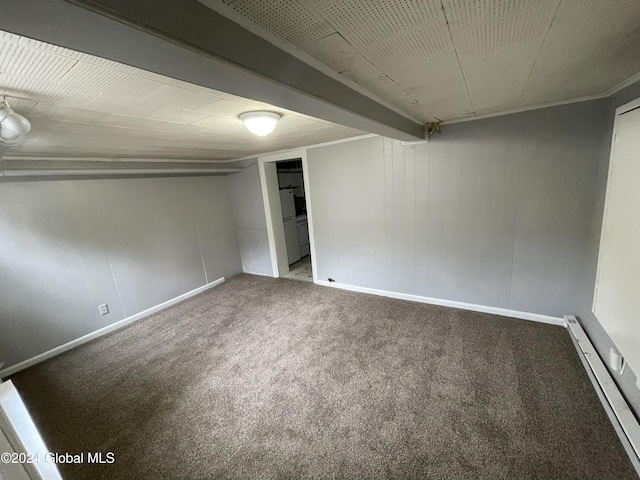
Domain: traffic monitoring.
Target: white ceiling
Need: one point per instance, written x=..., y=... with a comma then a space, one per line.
x=80, y=105
x=451, y=59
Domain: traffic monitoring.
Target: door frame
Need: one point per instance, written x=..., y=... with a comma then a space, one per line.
x=272, y=210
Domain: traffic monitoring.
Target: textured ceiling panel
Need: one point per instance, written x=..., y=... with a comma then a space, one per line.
x=179, y=97
x=292, y=21
x=408, y=48
x=116, y=105
x=80, y=105
x=497, y=55
x=336, y=53
x=480, y=11
x=497, y=79
x=104, y=80
x=415, y=108
x=177, y=115
x=35, y=89
x=417, y=74
x=525, y=26
x=467, y=57
x=445, y=95
x=363, y=73
x=587, y=51
x=18, y=60
x=444, y=90
x=386, y=87
x=365, y=22
x=9, y=37
x=230, y=108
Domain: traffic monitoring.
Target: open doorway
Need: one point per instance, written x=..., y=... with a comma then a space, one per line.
x=285, y=189
x=293, y=206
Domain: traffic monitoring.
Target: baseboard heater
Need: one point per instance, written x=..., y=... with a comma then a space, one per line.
x=622, y=418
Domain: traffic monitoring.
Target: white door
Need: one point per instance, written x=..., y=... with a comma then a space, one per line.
x=616, y=300
x=20, y=437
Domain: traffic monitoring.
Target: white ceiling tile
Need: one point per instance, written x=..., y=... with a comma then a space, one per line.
x=34, y=89
x=292, y=21
x=57, y=50
x=335, y=52
x=106, y=80
x=528, y=25
x=444, y=96
x=21, y=105
x=177, y=115
x=508, y=52
x=417, y=46
x=9, y=37
x=385, y=88
x=364, y=73
x=119, y=105
x=474, y=11
x=496, y=79
x=363, y=23
x=418, y=74
x=225, y=124
x=586, y=52
x=414, y=107
x=230, y=97
x=226, y=108
x=18, y=60
x=169, y=96
x=146, y=124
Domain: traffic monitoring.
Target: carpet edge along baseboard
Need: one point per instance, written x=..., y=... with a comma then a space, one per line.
x=105, y=330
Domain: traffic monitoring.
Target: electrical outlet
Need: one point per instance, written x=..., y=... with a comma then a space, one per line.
x=104, y=309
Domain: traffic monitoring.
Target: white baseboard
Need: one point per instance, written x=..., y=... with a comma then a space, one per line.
x=449, y=303
x=620, y=414
x=103, y=331
x=262, y=274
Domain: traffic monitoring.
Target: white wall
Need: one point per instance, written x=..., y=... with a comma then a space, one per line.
x=251, y=226
x=495, y=212
x=68, y=246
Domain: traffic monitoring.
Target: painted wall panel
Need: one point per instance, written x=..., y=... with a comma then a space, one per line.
x=251, y=226
x=492, y=212
x=68, y=246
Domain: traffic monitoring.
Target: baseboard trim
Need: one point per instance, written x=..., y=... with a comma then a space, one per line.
x=620, y=414
x=103, y=331
x=261, y=274
x=534, y=317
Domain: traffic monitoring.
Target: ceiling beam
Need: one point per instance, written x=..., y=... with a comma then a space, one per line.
x=188, y=41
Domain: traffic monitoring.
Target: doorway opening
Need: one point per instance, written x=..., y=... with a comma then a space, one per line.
x=284, y=179
x=293, y=205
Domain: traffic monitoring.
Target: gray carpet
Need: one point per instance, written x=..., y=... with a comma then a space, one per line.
x=270, y=378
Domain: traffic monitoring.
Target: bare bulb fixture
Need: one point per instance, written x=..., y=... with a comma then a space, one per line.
x=260, y=123
x=13, y=127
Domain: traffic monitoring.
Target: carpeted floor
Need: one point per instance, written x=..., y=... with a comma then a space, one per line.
x=271, y=378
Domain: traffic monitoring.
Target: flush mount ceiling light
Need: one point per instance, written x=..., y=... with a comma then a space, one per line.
x=13, y=127
x=260, y=123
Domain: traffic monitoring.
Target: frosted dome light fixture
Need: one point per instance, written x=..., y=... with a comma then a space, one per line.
x=13, y=127
x=260, y=123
